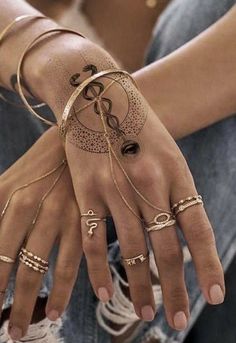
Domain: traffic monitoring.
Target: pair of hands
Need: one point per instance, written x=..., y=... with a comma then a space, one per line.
x=158, y=170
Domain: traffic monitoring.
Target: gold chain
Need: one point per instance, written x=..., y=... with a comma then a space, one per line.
x=112, y=152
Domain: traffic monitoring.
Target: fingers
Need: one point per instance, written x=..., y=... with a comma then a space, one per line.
x=94, y=238
x=12, y=226
x=28, y=281
x=132, y=243
x=200, y=238
x=66, y=269
x=169, y=259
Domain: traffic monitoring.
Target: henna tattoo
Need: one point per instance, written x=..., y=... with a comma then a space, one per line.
x=129, y=122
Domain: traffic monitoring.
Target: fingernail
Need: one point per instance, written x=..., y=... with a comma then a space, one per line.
x=15, y=333
x=216, y=295
x=53, y=315
x=147, y=313
x=103, y=294
x=180, y=320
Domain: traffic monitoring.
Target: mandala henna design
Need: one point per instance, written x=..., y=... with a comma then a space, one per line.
x=120, y=125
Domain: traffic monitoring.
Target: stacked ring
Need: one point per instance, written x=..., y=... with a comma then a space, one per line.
x=183, y=204
x=33, y=261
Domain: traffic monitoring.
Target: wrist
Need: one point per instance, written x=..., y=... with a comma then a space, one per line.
x=56, y=62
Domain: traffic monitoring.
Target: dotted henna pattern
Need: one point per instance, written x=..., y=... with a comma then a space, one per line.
x=130, y=124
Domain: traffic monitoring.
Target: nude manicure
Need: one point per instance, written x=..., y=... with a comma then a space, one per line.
x=216, y=295
x=147, y=313
x=15, y=333
x=180, y=320
x=103, y=294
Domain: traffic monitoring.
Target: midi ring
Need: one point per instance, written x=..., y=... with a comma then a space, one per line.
x=183, y=204
x=133, y=260
x=160, y=221
x=33, y=261
x=6, y=259
x=91, y=223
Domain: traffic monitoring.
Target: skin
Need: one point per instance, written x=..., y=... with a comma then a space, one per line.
x=62, y=231
x=166, y=179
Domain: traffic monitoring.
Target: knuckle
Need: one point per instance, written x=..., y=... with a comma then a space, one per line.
x=200, y=231
x=177, y=295
x=146, y=176
x=139, y=291
x=26, y=281
x=66, y=272
x=211, y=267
x=22, y=202
x=92, y=250
x=171, y=256
x=106, y=180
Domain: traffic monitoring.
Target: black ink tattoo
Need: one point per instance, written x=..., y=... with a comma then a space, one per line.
x=132, y=123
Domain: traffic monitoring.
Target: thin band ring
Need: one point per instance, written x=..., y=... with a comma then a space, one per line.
x=184, y=204
x=7, y=259
x=131, y=261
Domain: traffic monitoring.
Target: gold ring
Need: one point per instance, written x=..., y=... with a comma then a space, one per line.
x=183, y=204
x=92, y=222
x=160, y=221
x=6, y=259
x=33, y=261
x=133, y=260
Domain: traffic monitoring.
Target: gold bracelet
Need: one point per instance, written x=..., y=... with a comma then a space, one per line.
x=3, y=34
x=19, y=67
x=17, y=20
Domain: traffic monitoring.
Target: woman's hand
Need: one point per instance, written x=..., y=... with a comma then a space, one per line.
x=58, y=222
x=154, y=165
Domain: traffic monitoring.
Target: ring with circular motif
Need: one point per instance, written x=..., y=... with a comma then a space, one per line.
x=6, y=259
x=183, y=204
x=33, y=261
x=131, y=261
x=91, y=223
x=160, y=221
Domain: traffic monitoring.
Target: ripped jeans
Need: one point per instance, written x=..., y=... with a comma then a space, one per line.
x=212, y=159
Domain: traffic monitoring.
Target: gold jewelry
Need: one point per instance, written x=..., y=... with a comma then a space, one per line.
x=5, y=31
x=6, y=259
x=64, y=125
x=132, y=261
x=67, y=111
x=61, y=166
x=33, y=261
x=183, y=204
x=160, y=221
x=20, y=64
x=92, y=222
x=151, y=3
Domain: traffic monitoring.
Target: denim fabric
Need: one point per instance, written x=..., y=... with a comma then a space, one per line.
x=211, y=157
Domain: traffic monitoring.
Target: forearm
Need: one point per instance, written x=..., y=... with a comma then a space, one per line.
x=195, y=86
x=20, y=35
